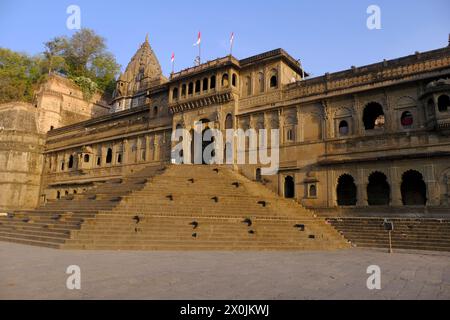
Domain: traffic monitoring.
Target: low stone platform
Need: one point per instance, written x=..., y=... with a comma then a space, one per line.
x=28, y=272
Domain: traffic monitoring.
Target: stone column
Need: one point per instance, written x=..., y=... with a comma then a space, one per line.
x=432, y=186
x=361, y=191
x=157, y=148
x=147, y=148
x=300, y=137
x=396, y=195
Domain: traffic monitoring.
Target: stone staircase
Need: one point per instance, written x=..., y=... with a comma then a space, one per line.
x=50, y=225
x=408, y=233
x=179, y=208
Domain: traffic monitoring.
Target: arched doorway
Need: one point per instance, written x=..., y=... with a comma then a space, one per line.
x=378, y=190
x=109, y=155
x=346, y=191
x=289, y=187
x=414, y=189
x=373, y=116
x=196, y=136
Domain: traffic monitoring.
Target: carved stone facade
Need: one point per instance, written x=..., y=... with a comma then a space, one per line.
x=373, y=138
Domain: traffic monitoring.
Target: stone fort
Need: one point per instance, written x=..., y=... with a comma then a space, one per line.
x=371, y=141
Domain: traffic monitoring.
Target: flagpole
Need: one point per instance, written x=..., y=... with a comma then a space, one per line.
x=199, y=52
x=231, y=43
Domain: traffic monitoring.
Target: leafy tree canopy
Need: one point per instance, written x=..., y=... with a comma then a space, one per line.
x=82, y=57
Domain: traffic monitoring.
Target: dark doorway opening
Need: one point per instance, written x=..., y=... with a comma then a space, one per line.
x=289, y=187
x=378, y=190
x=414, y=189
x=346, y=191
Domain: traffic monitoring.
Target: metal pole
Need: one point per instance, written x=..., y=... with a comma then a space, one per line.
x=390, y=242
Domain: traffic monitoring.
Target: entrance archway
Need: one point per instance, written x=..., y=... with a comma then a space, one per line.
x=289, y=187
x=414, y=189
x=346, y=191
x=378, y=190
x=196, y=135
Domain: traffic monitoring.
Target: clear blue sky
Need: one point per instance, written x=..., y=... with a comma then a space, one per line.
x=327, y=35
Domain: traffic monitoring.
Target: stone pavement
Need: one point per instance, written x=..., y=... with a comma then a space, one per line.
x=28, y=272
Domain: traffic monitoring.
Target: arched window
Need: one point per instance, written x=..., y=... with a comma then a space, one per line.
x=273, y=78
x=378, y=190
x=212, y=83
x=443, y=103
x=190, y=88
x=175, y=94
x=261, y=81
x=58, y=194
x=183, y=91
x=86, y=158
x=413, y=189
x=99, y=161
x=289, y=187
x=205, y=84
x=373, y=116
x=258, y=175
x=273, y=81
x=119, y=158
x=197, y=86
x=343, y=128
x=234, y=80
x=62, y=165
x=312, y=192
x=155, y=111
x=346, y=191
x=229, y=121
x=407, y=119
x=71, y=162
x=225, y=80
x=109, y=155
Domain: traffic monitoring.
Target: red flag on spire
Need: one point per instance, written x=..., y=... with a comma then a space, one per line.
x=199, y=39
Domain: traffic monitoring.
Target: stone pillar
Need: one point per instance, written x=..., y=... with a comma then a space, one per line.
x=361, y=189
x=432, y=186
x=147, y=148
x=300, y=137
x=125, y=151
x=396, y=195
x=157, y=148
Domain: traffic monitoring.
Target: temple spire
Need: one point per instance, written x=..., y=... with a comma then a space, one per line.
x=146, y=37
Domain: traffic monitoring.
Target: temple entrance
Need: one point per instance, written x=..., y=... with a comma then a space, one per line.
x=289, y=187
x=195, y=135
x=378, y=190
x=414, y=189
x=346, y=191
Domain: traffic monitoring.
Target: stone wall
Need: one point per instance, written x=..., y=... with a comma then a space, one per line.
x=21, y=157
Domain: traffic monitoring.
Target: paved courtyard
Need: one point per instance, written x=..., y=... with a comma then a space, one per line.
x=38, y=273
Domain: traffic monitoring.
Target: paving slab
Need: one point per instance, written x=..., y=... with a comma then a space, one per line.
x=28, y=272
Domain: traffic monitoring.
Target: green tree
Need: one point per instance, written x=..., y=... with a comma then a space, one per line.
x=20, y=75
x=83, y=55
